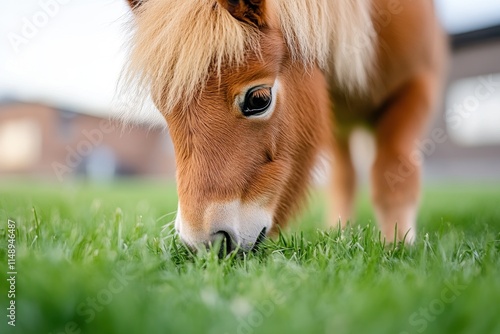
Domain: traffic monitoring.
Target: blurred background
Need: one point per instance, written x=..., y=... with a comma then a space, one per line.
x=60, y=61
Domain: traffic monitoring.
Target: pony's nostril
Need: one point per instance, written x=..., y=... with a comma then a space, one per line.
x=260, y=238
x=227, y=242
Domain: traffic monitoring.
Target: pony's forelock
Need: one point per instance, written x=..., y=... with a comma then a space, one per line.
x=176, y=44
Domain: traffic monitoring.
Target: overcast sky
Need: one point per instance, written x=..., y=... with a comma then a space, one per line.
x=73, y=60
x=75, y=57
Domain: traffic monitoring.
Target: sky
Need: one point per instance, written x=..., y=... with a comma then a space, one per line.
x=74, y=58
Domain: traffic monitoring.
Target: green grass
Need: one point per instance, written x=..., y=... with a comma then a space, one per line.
x=103, y=259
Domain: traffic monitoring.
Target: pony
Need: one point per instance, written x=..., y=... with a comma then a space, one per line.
x=254, y=92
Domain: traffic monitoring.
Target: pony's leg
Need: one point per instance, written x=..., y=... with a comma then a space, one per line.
x=342, y=183
x=397, y=166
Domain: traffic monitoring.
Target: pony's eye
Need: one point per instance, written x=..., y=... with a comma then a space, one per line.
x=257, y=101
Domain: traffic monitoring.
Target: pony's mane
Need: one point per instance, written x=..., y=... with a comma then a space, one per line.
x=338, y=35
x=177, y=43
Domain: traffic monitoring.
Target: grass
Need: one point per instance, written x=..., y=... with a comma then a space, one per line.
x=103, y=259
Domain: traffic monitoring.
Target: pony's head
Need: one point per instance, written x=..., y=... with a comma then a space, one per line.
x=240, y=85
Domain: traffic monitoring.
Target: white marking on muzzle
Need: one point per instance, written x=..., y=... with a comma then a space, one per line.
x=243, y=222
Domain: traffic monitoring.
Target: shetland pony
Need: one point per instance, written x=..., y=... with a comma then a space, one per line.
x=254, y=91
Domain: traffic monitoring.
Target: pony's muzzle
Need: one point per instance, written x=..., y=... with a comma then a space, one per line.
x=229, y=243
x=231, y=226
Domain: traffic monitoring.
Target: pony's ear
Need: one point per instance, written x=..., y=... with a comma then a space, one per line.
x=249, y=11
x=135, y=3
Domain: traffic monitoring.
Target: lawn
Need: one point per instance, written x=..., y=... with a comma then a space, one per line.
x=103, y=259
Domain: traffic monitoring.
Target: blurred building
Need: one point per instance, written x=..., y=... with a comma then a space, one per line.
x=470, y=114
x=60, y=144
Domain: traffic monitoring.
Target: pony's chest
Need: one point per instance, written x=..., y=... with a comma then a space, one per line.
x=351, y=108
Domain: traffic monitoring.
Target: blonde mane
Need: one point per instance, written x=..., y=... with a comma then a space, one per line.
x=338, y=35
x=177, y=43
